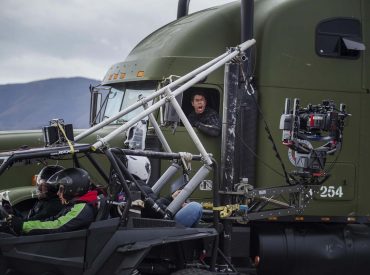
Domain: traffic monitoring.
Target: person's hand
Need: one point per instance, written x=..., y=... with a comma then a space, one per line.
x=175, y=194
x=15, y=223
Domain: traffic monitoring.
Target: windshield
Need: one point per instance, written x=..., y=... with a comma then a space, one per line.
x=119, y=99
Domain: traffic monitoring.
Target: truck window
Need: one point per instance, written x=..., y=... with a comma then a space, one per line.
x=114, y=103
x=339, y=38
x=121, y=98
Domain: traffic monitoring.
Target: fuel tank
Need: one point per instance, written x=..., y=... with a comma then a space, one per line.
x=308, y=249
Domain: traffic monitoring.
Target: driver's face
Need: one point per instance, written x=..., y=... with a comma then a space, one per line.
x=60, y=195
x=199, y=104
x=42, y=189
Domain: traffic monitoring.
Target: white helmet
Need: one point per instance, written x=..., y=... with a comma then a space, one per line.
x=139, y=167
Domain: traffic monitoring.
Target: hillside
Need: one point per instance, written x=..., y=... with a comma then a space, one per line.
x=32, y=105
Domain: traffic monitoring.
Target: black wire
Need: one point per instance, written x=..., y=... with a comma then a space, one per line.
x=267, y=129
x=259, y=158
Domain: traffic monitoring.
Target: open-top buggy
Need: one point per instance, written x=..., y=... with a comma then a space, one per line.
x=113, y=244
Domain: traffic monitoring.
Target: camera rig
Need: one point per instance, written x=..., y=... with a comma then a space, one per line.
x=321, y=125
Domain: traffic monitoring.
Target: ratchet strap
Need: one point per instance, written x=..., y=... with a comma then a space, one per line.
x=225, y=210
x=65, y=136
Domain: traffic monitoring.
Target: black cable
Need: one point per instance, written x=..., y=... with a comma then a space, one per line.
x=216, y=219
x=115, y=166
x=260, y=159
x=267, y=129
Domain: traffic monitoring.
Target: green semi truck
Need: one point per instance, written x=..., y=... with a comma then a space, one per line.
x=311, y=50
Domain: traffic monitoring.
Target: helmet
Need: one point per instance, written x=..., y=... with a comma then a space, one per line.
x=72, y=182
x=139, y=167
x=44, y=190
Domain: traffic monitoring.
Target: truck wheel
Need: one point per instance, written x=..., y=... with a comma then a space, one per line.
x=192, y=271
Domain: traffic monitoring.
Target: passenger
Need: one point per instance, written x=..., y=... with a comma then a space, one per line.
x=79, y=205
x=190, y=213
x=204, y=118
x=48, y=204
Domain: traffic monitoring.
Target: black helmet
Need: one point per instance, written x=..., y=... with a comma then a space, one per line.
x=42, y=177
x=72, y=182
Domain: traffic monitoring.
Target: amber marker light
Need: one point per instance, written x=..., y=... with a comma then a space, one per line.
x=115, y=76
x=34, y=180
x=299, y=218
x=140, y=74
x=123, y=75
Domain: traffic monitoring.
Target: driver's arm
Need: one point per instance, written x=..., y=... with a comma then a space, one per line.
x=79, y=216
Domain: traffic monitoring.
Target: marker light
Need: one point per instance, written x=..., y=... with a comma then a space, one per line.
x=140, y=74
x=34, y=180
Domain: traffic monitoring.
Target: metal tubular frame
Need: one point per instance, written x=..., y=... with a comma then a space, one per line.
x=186, y=82
x=158, y=131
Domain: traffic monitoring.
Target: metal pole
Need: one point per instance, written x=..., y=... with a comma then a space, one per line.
x=157, y=187
x=128, y=124
x=182, y=8
x=247, y=25
x=189, y=188
x=158, y=131
x=229, y=163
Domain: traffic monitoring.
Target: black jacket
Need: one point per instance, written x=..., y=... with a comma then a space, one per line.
x=78, y=214
x=44, y=209
x=207, y=122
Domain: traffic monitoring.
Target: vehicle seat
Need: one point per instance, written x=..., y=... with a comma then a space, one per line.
x=103, y=208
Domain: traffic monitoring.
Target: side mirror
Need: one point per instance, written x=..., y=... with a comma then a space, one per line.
x=170, y=114
x=95, y=105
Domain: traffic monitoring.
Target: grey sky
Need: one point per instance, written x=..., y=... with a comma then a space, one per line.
x=42, y=39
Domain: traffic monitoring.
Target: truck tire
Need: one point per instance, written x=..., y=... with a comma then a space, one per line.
x=192, y=271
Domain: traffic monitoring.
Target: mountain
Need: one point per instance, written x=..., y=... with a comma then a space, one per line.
x=32, y=105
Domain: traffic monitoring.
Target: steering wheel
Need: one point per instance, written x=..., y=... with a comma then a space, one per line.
x=5, y=228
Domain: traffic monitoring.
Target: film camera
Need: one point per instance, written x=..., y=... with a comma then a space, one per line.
x=315, y=123
x=58, y=133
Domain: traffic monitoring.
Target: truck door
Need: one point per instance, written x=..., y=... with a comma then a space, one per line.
x=180, y=140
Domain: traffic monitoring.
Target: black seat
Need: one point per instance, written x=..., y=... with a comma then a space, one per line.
x=103, y=208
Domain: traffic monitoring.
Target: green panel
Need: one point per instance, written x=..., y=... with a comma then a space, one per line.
x=364, y=163
x=287, y=47
x=341, y=184
x=336, y=196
